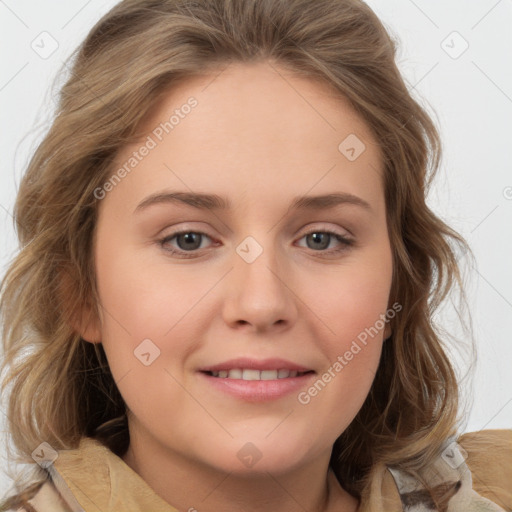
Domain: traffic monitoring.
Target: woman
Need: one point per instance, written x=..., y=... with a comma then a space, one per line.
x=255, y=370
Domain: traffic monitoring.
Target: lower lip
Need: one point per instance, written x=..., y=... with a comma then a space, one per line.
x=258, y=390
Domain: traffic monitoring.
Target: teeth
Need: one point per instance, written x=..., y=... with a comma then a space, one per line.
x=250, y=374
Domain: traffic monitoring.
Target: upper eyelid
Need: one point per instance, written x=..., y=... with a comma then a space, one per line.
x=308, y=231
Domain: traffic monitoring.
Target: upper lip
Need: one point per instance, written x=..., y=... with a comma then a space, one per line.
x=255, y=364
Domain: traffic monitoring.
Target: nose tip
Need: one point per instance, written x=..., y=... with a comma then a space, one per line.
x=258, y=295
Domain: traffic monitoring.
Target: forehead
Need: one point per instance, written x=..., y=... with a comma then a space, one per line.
x=256, y=128
x=266, y=90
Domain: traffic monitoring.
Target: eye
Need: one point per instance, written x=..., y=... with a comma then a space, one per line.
x=321, y=239
x=187, y=241
x=191, y=241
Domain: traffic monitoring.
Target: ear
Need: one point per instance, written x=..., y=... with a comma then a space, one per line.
x=79, y=315
x=88, y=325
x=387, y=331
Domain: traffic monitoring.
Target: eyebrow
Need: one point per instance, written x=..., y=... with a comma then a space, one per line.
x=215, y=202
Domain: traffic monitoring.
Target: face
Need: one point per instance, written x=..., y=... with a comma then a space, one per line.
x=187, y=283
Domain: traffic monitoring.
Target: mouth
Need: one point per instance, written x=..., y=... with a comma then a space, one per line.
x=253, y=374
x=256, y=385
x=256, y=380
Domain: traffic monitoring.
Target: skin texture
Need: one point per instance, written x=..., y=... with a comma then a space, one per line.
x=259, y=136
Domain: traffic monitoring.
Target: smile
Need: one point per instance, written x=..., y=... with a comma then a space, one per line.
x=252, y=385
x=251, y=374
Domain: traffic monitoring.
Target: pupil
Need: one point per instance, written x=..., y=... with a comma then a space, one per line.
x=190, y=238
x=317, y=239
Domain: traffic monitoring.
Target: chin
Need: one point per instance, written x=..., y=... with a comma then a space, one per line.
x=245, y=457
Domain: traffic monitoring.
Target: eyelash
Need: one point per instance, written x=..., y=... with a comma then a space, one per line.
x=346, y=243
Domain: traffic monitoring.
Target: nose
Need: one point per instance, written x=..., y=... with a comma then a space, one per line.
x=259, y=295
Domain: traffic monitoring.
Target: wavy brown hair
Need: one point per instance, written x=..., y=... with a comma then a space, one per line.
x=60, y=386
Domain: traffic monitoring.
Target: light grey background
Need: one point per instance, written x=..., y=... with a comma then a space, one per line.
x=456, y=56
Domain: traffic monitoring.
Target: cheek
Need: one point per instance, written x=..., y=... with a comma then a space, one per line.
x=351, y=301
x=353, y=308
x=143, y=298
x=147, y=314
x=147, y=336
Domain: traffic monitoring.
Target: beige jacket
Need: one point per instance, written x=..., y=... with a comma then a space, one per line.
x=468, y=476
